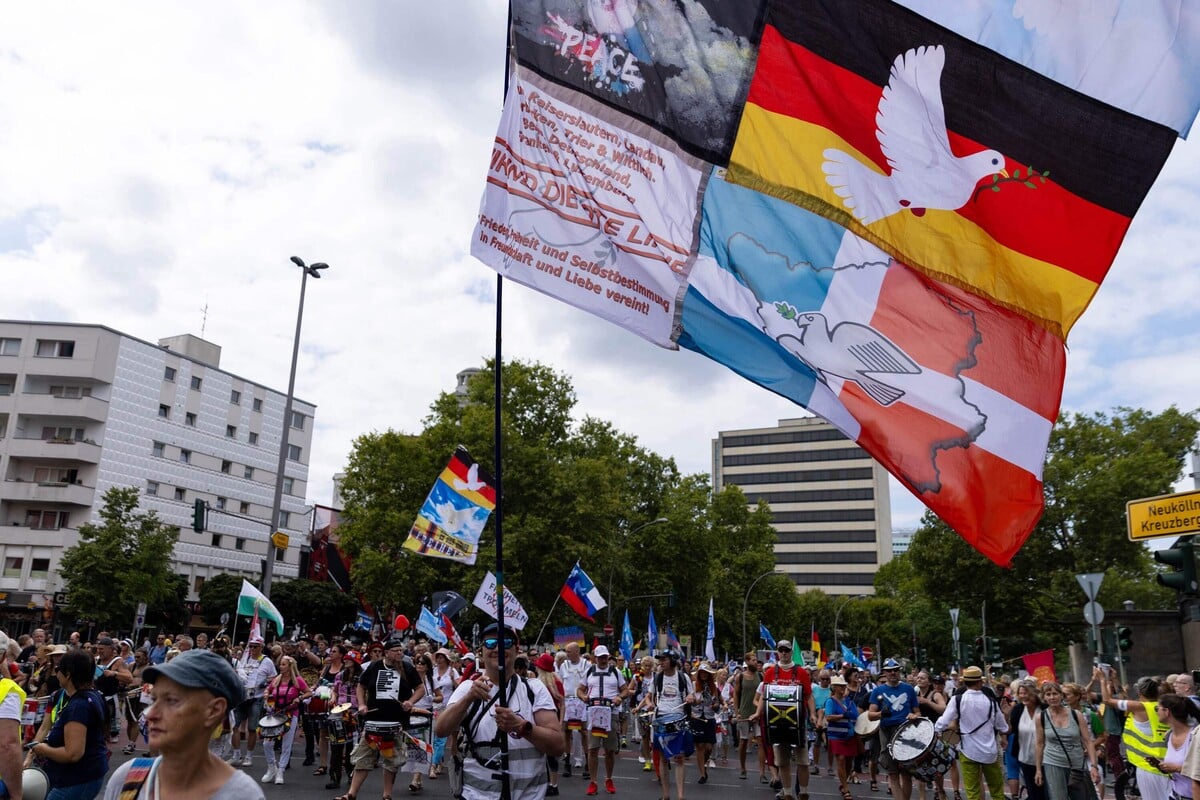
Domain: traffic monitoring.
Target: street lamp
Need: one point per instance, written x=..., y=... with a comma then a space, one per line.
x=746, y=603
x=313, y=270
x=838, y=613
x=612, y=571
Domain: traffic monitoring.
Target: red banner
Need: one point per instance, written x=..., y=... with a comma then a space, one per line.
x=1040, y=666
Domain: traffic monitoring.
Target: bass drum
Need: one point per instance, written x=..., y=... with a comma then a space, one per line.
x=920, y=751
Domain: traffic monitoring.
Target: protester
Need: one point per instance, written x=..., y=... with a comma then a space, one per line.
x=1144, y=736
x=602, y=688
x=571, y=671
x=981, y=727
x=256, y=671
x=421, y=723
x=893, y=703
x=75, y=750
x=1066, y=754
x=283, y=697
x=12, y=701
x=549, y=678
x=840, y=714
x=785, y=673
x=445, y=680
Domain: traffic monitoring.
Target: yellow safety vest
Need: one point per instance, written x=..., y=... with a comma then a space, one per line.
x=8, y=685
x=1137, y=747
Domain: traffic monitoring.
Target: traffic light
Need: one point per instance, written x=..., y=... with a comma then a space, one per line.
x=198, y=514
x=1124, y=639
x=1183, y=558
x=671, y=599
x=993, y=649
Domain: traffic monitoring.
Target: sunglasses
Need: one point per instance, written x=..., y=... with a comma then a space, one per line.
x=492, y=642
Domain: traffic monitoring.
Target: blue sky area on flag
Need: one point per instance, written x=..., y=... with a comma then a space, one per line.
x=173, y=157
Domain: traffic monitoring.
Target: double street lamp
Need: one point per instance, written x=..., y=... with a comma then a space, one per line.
x=313, y=270
x=612, y=570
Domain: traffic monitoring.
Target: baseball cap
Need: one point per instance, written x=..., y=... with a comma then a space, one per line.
x=600, y=651
x=105, y=641
x=783, y=644
x=200, y=669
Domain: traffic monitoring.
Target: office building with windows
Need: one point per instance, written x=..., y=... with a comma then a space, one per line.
x=829, y=500
x=84, y=408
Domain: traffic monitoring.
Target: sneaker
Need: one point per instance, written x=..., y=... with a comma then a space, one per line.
x=647, y=767
x=551, y=791
x=711, y=764
x=641, y=759
x=608, y=786
x=248, y=761
x=587, y=776
x=233, y=757
x=578, y=764
x=624, y=742
x=269, y=776
x=279, y=779
x=593, y=788
x=814, y=770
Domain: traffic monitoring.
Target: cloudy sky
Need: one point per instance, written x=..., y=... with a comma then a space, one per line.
x=160, y=158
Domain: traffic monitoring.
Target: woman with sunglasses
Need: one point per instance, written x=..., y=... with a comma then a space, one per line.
x=75, y=752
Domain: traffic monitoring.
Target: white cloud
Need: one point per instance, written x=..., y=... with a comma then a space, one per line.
x=170, y=156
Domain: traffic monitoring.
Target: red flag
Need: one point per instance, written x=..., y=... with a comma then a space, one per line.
x=452, y=635
x=1040, y=666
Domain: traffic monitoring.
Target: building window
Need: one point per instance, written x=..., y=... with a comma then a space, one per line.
x=13, y=566
x=285, y=518
x=253, y=437
x=293, y=452
x=6, y=387
x=51, y=434
x=71, y=392
x=235, y=397
x=196, y=382
x=197, y=583
x=189, y=419
x=216, y=540
x=169, y=374
x=39, y=569
x=231, y=431
x=46, y=520
x=3, y=425
x=280, y=554
x=257, y=404
x=152, y=488
x=244, y=507
x=164, y=410
x=248, y=473
x=185, y=456
x=157, y=449
x=221, y=501
x=298, y=420
x=288, y=485
x=226, y=466
x=54, y=348
x=180, y=494
x=10, y=347
x=55, y=475
x=239, y=544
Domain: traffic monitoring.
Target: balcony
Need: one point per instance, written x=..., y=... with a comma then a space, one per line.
x=59, y=450
x=48, y=405
x=30, y=491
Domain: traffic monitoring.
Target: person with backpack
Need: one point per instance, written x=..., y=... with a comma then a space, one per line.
x=603, y=688
x=482, y=717
x=672, y=737
x=782, y=675
x=982, y=729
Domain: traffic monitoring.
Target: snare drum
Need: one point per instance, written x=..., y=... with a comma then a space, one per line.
x=672, y=737
x=340, y=724
x=382, y=731
x=575, y=711
x=785, y=714
x=600, y=719
x=273, y=726
x=919, y=751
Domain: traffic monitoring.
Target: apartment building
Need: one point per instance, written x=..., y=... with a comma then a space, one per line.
x=84, y=408
x=829, y=500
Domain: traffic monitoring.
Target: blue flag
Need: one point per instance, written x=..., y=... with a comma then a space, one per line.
x=362, y=622
x=766, y=636
x=430, y=625
x=850, y=656
x=627, y=639
x=652, y=631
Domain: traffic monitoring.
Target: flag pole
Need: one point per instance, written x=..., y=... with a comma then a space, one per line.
x=542, y=629
x=498, y=515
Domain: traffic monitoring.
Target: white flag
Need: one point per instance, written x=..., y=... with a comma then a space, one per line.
x=485, y=599
x=711, y=634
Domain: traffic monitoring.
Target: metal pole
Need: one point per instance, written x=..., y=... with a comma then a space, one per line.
x=837, y=614
x=612, y=570
x=746, y=603
x=269, y=571
x=498, y=516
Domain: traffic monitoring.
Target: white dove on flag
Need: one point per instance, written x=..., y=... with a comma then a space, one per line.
x=911, y=129
x=472, y=483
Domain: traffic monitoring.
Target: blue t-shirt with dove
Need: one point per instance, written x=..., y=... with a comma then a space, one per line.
x=896, y=703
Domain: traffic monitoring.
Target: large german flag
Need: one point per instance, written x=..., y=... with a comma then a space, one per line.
x=967, y=166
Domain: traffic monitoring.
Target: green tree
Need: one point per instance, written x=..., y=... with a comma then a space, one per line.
x=219, y=595
x=313, y=605
x=120, y=561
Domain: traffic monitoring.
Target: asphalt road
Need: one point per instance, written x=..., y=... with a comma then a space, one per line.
x=630, y=781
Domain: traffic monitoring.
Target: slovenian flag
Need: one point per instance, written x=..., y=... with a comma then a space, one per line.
x=581, y=594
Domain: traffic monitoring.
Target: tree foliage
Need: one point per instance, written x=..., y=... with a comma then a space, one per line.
x=313, y=605
x=219, y=595
x=123, y=560
x=1095, y=464
x=573, y=490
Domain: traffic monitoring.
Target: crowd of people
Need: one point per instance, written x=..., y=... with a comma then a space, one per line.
x=194, y=711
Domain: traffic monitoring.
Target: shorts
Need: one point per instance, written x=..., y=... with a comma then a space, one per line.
x=610, y=742
x=799, y=755
x=747, y=730
x=704, y=731
x=1012, y=767
x=886, y=762
x=844, y=748
x=249, y=712
x=364, y=756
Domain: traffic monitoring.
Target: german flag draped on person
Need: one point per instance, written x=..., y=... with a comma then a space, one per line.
x=846, y=203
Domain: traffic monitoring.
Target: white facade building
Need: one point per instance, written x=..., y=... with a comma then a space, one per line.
x=84, y=408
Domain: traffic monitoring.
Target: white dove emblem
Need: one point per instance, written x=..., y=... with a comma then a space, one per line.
x=911, y=129
x=472, y=483
x=851, y=351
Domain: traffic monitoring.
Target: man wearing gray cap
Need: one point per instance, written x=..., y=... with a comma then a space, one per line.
x=192, y=696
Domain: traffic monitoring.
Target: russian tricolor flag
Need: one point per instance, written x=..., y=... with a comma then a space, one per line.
x=581, y=594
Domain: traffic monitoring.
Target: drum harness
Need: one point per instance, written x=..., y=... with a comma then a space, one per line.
x=658, y=684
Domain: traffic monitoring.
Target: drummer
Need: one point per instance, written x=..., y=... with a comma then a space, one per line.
x=603, y=685
x=787, y=673
x=893, y=703
x=668, y=694
x=979, y=723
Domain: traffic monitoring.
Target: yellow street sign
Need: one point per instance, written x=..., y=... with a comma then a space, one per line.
x=280, y=540
x=1168, y=515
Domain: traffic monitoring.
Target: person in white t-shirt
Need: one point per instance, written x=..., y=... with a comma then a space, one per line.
x=668, y=696
x=571, y=672
x=529, y=719
x=12, y=703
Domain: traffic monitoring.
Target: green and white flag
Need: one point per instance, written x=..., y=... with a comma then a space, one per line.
x=251, y=599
